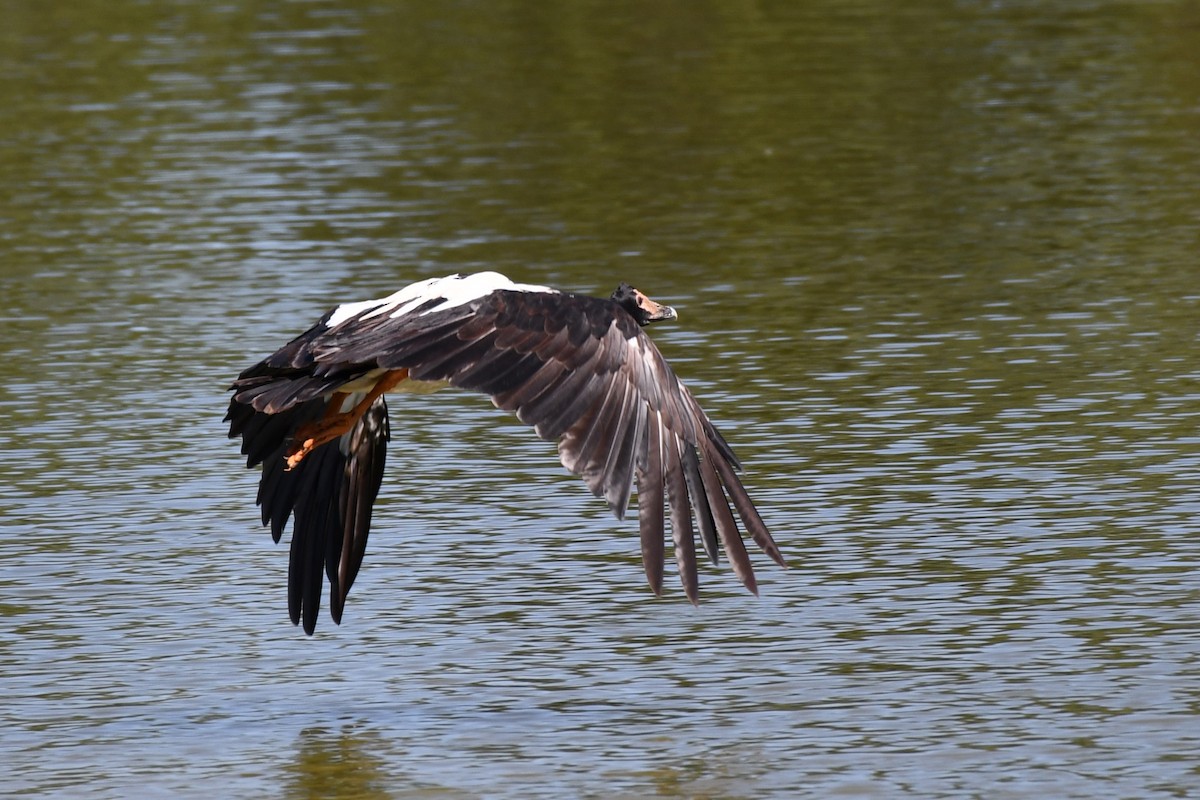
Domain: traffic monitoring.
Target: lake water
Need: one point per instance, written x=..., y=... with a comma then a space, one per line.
x=937, y=277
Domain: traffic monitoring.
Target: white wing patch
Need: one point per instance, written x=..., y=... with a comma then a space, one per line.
x=452, y=290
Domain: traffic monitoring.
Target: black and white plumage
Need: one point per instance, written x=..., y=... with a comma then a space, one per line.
x=579, y=369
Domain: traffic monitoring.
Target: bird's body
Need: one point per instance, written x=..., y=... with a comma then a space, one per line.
x=579, y=369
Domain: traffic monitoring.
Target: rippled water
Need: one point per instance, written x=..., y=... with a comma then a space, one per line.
x=936, y=268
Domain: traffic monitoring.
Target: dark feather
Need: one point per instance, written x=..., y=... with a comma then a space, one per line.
x=596, y=433
x=731, y=539
x=314, y=507
x=747, y=511
x=619, y=468
x=681, y=523
x=362, y=475
x=700, y=501
x=650, y=505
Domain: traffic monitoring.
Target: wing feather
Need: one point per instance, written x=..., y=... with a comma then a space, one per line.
x=619, y=469
x=650, y=504
x=546, y=376
x=560, y=410
x=500, y=371
x=731, y=539
x=681, y=521
x=315, y=518
x=746, y=510
x=700, y=501
x=362, y=475
x=595, y=434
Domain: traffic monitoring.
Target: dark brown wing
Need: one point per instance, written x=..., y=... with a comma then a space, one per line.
x=588, y=378
x=331, y=495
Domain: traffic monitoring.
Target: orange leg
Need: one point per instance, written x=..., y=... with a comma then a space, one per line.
x=311, y=435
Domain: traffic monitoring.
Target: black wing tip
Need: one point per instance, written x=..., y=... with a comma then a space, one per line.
x=310, y=624
x=777, y=556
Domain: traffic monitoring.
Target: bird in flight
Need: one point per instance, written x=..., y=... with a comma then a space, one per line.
x=579, y=369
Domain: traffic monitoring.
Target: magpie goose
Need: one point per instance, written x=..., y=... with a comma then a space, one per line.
x=579, y=369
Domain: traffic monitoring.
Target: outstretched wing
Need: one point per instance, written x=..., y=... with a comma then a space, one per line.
x=593, y=382
x=578, y=369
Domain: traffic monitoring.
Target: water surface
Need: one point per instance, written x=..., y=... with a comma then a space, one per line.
x=936, y=271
